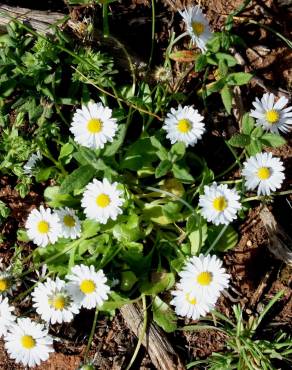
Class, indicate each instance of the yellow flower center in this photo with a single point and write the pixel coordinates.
(272, 116)
(198, 28)
(87, 286)
(205, 278)
(103, 200)
(3, 285)
(191, 300)
(58, 302)
(69, 221)
(184, 126)
(27, 342)
(94, 125)
(220, 203)
(43, 227)
(264, 173)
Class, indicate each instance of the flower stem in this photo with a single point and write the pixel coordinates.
(91, 334)
(141, 336)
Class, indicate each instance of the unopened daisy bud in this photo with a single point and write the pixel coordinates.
(189, 304)
(197, 26)
(102, 201)
(28, 342)
(43, 227)
(93, 125)
(184, 124)
(53, 302)
(88, 287)
(219, 204)
(70, 223)
(6, 316)
(205, 277)
(271, 115)
(263, 171)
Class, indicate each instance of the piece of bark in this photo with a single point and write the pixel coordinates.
(279, 242)
(39, 20)
(161, 352)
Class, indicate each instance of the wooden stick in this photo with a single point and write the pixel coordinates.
(39, 20)
(161, 352)
(280, 242)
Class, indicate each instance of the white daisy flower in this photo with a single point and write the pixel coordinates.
(70, 223)
(93, 125)
(205, 277)
(184, 124)
(28, 343)
(6, 317)
(272, 116)
(101, 201)
(88, 287)
(53, 302)
(197, 26)
(6, 283)
(43, 226)
(263, 171)
(30, 165)
(189, 304)
(219, 204)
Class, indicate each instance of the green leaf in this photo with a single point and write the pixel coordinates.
(66, 150)
(239, 78)
(274, 140)
(239, 140)
(254, 147)
(160, 281)
(227, 241)
(257, 132)
(227, 95)
(178, 150)
(90, 228)
(227, 58)
(112, 149)
(194, 238)
(43, 174)
(163, 168)
(116, 301)
(77, 179)
(248, 124)
(182, 173)
(214, 44)
(141, 153)
(171, 210)
(215, 86)
(163, 315)
(162, 153)
(55, 199)
(201, 63)
(223, 68)
(4, 210)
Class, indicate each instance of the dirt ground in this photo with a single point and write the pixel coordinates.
(256, 274)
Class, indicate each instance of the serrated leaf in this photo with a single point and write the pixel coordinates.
(77, 179)
(163, 315)
(227, 95)
(248, 124)
(163, 168)
(254, 147)
(274, 140)
(238, 78)
(239, 140)
(184, 56)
